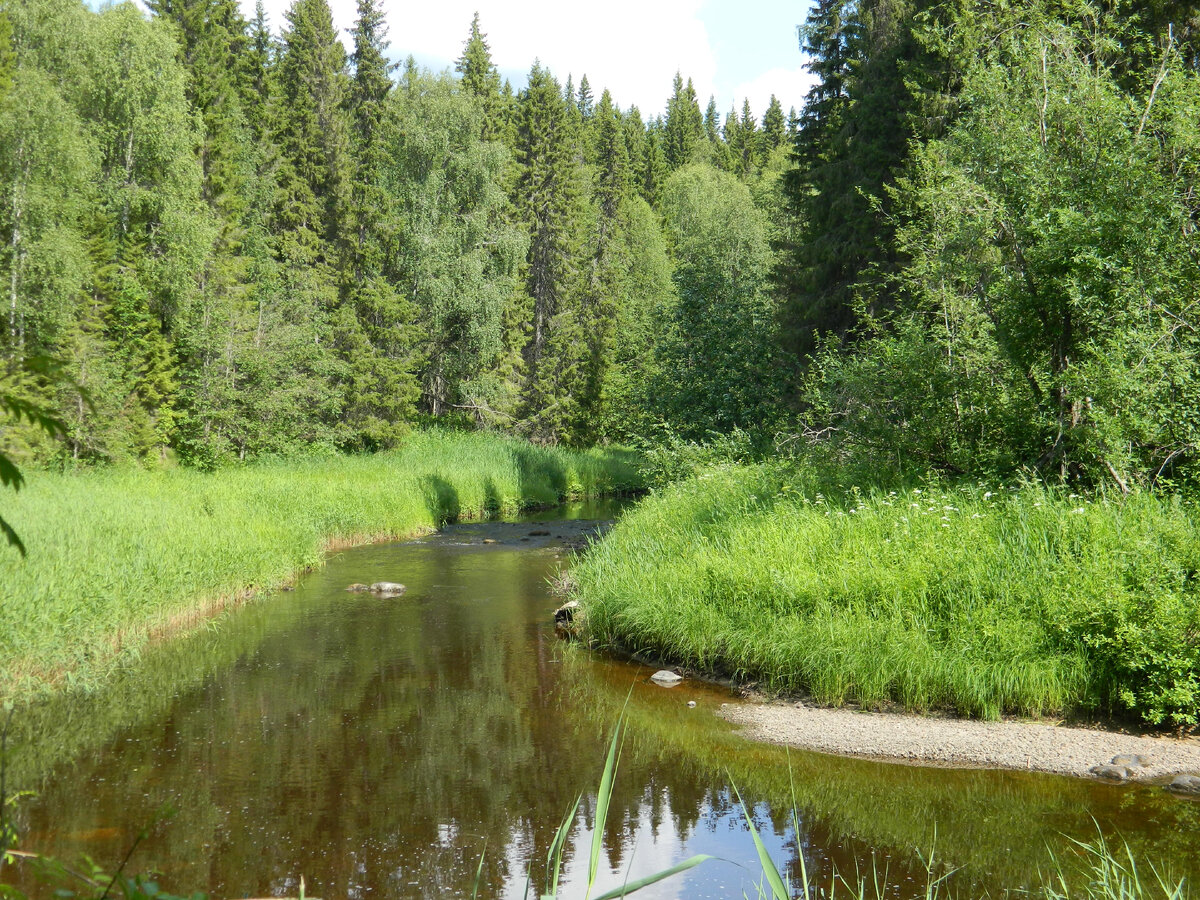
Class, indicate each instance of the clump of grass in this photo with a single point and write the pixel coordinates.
(118, 556)
(979, 599)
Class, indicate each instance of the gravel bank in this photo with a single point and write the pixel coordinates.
(962, 742)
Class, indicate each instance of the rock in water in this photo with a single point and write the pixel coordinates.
(666, 678)
(357, 588)
(1113, 773)
(1185, 784)
(565, 614)
(1135, 761)
(388, 588)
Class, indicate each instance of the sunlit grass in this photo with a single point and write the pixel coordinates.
(982, 599)
(118, 556)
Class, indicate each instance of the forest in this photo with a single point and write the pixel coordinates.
(969, 262)
(906, 380)
(973, 249)
(221, 242)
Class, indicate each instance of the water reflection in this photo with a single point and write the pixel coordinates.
(381, 747)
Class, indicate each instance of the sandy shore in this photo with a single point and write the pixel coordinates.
(962, 742)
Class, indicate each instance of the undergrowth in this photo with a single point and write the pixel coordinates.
(981, 599)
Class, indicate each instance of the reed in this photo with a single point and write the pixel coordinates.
(120, 557)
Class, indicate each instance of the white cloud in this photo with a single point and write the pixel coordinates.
(789, 85)
(633, 48)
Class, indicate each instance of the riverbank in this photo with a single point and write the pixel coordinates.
(978, 600)
(120, 558)
(970, 743)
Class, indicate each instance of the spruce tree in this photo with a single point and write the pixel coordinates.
(548, 194)
(481, 79)
(375, 332)
(654, 169)
(684, 127)
(585, 101)
(310, 224)
(745, 147)
(854, 137)
(310, 127)
(605, 274)
(773, 125)
(257, 62)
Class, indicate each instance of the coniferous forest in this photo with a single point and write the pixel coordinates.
(232, 242)
(973, 249)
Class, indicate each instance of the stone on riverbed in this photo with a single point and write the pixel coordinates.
(1185, 784)
(565, 614)
(388, 588)
(1132, 761)
(358, 588)
(1113, 773)
(666, 678)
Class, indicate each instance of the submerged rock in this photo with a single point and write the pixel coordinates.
(1113, 773)
(1133, 761)
(666, 678)
(358, 588)
(1185, 784)
(388, 588)
(565, 614)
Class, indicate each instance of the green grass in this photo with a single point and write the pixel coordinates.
(979, 599)
(118, 556)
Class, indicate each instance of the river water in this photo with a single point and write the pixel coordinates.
(382, 748)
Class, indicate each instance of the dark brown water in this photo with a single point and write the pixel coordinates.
(381, 748)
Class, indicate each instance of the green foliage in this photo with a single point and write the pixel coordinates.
(119, 556)
(982, 601)
(448, 238)
(1051, 273)
(718, 362)
(481, 79)
(683, 132)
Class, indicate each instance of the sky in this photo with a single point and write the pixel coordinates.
(729, 49)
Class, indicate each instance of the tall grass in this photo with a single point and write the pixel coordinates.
(118, 556)
(979, 599)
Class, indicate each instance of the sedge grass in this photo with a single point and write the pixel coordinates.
(119, 556)
(981, 600)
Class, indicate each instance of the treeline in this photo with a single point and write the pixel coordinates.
(994, 260)
(974, 250)
(220, 242)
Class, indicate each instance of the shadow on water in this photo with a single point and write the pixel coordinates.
(376, 746)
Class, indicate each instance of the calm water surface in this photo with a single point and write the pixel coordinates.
(380, 748)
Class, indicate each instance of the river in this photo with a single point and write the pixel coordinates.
(383, 747)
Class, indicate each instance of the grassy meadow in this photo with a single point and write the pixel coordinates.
(117, 557)
(983, 600)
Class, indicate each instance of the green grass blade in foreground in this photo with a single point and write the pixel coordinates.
(554, 854)
(657, 877)
(778, 889)
(479, 871)
(603, 797)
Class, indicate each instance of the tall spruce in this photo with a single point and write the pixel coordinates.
(548, 193)
(773, 124)
(683, 130)
(481, 79)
